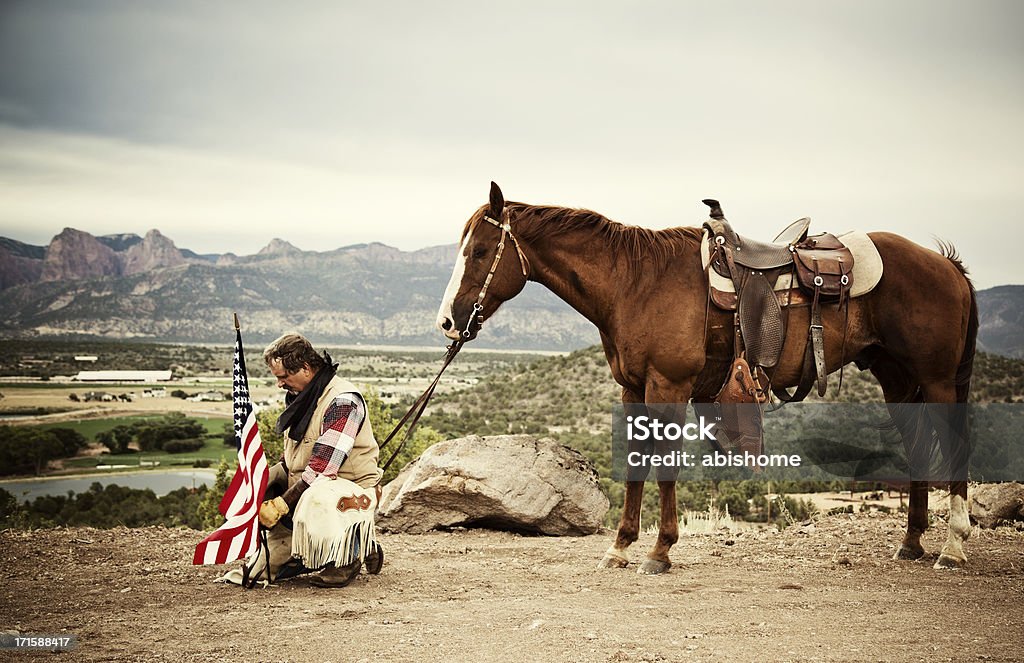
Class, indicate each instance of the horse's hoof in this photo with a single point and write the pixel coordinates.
(610, 561)
(949, 562)
(906, 553)
(653, 567)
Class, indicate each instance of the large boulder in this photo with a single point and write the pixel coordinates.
(995, 503)
(512, 482)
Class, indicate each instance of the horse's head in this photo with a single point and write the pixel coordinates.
(490, 268)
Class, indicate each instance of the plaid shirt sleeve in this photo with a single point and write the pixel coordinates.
(342, 421)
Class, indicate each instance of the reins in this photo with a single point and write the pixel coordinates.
(416, 411)
(248, 579)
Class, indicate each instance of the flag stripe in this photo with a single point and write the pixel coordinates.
(239, 491)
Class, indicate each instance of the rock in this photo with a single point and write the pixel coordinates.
(154, 252)
(994, 503)
(19, 262)
(74, 255)
(278, 246)
(513, 482)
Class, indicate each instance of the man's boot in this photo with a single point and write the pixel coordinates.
(336, 576)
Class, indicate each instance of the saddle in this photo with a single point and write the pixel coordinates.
(819, 269)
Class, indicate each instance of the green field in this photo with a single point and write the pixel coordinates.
(213, 450)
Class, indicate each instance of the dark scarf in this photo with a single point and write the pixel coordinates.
(300, 407)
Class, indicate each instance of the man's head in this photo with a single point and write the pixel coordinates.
(293, 361)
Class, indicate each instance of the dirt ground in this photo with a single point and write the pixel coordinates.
(825, 591)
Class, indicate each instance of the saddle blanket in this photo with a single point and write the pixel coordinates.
(867, 266)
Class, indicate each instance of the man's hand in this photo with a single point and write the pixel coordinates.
(271, 511)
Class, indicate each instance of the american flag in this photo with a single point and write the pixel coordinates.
(239, 536)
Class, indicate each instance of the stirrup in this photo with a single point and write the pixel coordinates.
(374, 559)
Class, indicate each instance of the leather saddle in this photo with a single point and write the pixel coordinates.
(821, 266)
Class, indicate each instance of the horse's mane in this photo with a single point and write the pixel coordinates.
(653, 250)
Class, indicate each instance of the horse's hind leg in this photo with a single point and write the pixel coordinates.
(951, 426)
(898, 387)
(917, 523)
(952, 555)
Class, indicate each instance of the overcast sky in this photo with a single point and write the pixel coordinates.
(327, 124)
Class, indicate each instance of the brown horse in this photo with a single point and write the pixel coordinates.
(647, 293)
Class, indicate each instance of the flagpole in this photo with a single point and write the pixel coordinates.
(237, 326)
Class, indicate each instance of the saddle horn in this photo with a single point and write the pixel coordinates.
(716, 208)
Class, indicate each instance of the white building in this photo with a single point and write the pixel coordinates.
(123, 376)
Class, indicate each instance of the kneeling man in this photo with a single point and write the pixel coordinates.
(320, 504)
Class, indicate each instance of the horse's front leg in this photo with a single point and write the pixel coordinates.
(668, 531)
(671, 409)
(617, 555)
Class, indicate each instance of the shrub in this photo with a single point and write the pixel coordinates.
(182, 446)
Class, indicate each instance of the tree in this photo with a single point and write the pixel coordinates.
(11, 513)
(155, 434)
(383, 423)
(208, 509)
(41, 447)
(273, 442)
(27, 449)
(116, 439)
(228, 434)
(70, 439)
(182, 446)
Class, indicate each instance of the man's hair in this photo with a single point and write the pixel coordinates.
(294, 352)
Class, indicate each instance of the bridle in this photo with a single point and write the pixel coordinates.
(506, 230)
(416, 411)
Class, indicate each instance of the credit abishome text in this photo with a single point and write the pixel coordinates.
(687, 459)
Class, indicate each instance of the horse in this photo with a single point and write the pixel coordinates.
(648, 294)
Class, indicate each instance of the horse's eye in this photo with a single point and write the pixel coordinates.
(479, 252)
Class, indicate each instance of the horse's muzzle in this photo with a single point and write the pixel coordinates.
(448, 328)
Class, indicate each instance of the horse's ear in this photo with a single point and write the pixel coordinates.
(497, 202)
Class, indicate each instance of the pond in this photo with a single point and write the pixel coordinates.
(160, 482)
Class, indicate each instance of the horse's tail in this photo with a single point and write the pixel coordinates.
(956, 451)
(965, 369)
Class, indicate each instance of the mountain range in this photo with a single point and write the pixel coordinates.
(130, 287)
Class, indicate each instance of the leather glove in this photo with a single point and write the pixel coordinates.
(271, 511)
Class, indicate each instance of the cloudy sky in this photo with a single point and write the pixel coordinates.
(327, 124)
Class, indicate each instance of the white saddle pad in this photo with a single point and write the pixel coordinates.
(867, 265)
